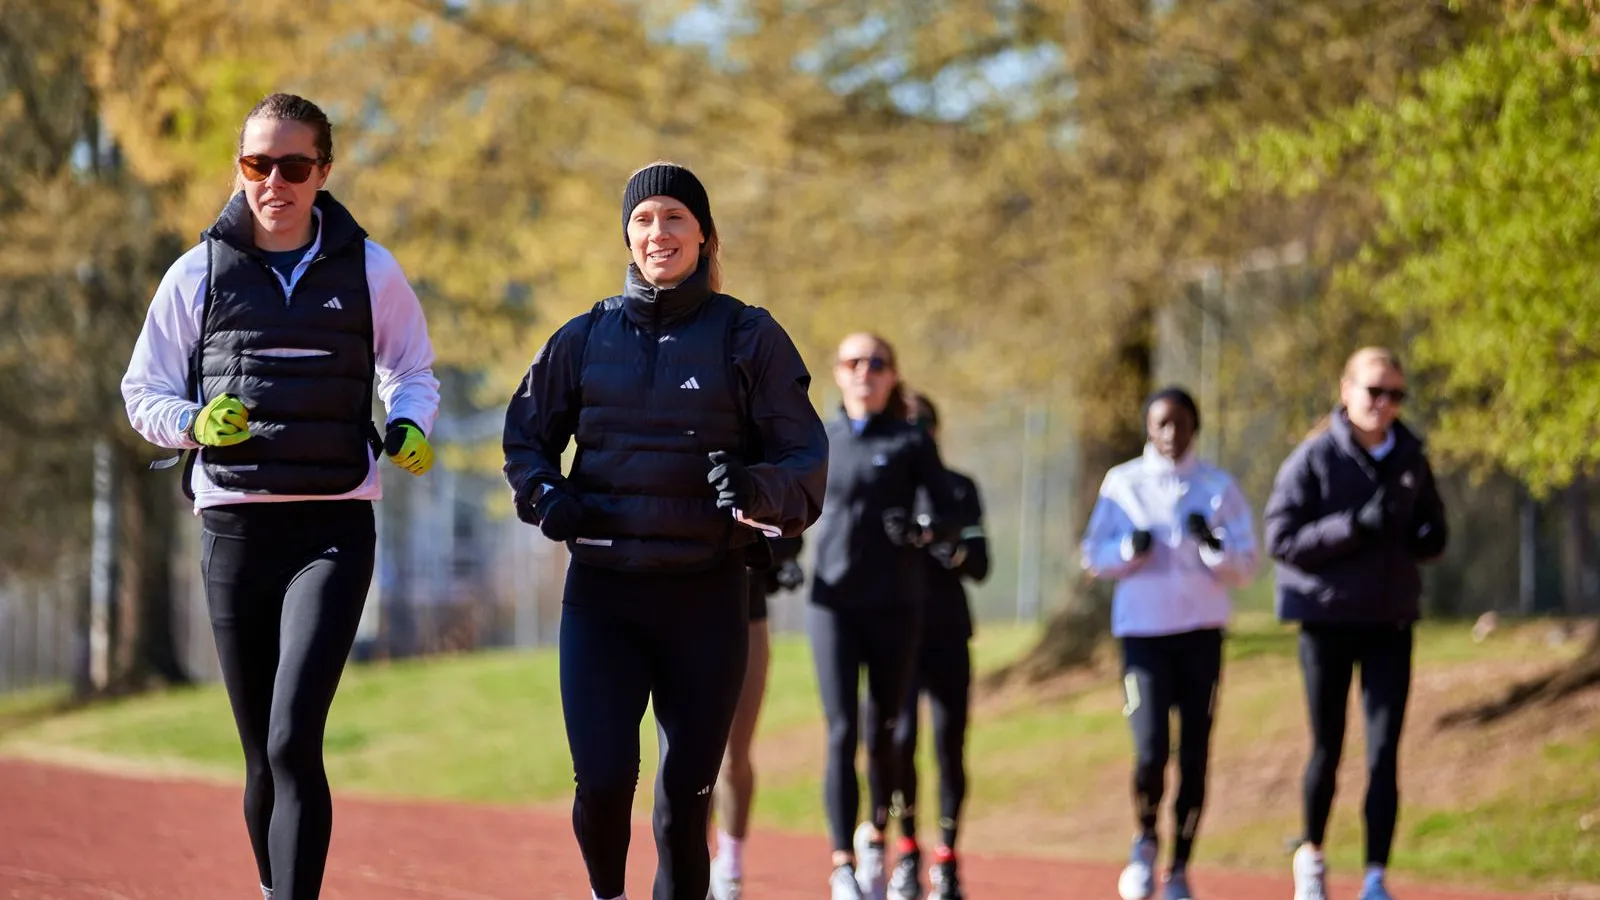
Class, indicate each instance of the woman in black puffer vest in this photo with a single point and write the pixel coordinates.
(695, 435)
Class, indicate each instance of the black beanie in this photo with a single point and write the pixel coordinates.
(666, 180)
(1177, 395)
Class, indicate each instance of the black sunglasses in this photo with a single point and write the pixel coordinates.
(874, 363)
(1395, 395)
(294, 169)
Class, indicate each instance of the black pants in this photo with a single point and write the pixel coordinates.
(944, 673)
(285, 583)
(679, 642)
(885, 642)
(1181, 671)
(1328, 657)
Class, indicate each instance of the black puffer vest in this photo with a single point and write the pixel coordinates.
(659, 394)
(302, 364)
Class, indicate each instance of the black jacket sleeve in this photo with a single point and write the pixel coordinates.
(792, 477)
(931, 477)
(786, 548)
(975, 565)
(543, 413)
(1430, 532)
(1296, 532)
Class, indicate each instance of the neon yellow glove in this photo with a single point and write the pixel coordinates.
(221, 423)
(408, 448)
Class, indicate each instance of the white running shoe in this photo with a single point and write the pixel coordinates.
(871, 866)
(723, 886)
(1310, 875)
(906, 882)
(946, 882)
(843, 884)
(1138, 880)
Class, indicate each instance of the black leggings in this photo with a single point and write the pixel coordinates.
(885, 641)
(1158, 674)
(678, 642)
(285, 583)
(1328, 657)
(944, 672)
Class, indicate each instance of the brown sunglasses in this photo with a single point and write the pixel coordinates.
(294, 169)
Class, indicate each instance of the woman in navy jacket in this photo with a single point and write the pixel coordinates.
(1353, 512)
(695, 434)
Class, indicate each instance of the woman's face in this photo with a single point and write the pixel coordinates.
(864, 374)
(1372, 395)
(665, 239)
(1171, 428)
(282, 207)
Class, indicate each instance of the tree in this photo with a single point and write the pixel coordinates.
(1485, 172)
(80, 255)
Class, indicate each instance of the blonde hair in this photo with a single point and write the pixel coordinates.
(897, 406)
(1388, 358)
(1384, 355)
(712, 250)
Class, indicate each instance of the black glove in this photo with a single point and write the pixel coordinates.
(789, 575)
(735, 487)
(1201, 531)
(950, 554)
(558, 514)
(896, 526)
(1141, 542)
(1370, 517)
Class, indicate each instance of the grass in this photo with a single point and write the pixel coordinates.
(1048, 769)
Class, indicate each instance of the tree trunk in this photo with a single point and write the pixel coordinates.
(1581, 674)
(1577, 576)
(147, 652)
(1109, 430)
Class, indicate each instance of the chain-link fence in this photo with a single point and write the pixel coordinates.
(456, 572)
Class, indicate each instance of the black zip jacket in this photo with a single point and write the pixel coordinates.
(857, 565)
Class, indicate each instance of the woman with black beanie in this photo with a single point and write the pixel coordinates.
(1353, 512)
(1174, 532)
(695, 437)
(866, 595)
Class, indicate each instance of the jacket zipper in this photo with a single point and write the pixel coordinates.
(654, 337)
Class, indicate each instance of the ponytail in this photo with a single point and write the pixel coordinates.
(896, 406)
(1321, 427)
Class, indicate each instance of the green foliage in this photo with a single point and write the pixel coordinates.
(1485, 176)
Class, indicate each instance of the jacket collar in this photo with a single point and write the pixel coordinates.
(1155, 462)
(1406, 442)
(875, 421)
(654, 308)
(335, 226)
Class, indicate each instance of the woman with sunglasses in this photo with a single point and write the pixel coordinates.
(1353, 512)
(865, 607)
(696, 436)
(1175, 533)
(258, 356)
(943, 672)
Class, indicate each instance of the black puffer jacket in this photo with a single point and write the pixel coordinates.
(858, 564)
(650, 383)
(1332, 570)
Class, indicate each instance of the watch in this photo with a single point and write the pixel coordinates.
(186, 421)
